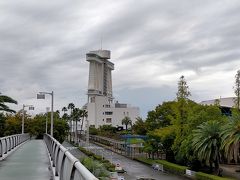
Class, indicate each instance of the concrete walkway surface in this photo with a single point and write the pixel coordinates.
(29, 162)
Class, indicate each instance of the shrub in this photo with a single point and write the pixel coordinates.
(146, 161)
(173, 168)
(95, 167)
(204, 176)
(109, 166)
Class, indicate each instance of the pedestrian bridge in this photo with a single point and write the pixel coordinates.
(25, 159)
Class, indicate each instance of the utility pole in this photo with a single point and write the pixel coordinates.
(41, 95)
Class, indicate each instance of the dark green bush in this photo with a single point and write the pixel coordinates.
(109, 166)
(146, 161)
(204, 176)
(171, 167)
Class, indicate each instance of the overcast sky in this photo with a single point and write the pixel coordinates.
(153, 42)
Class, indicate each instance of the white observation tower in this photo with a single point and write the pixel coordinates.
(100, 74)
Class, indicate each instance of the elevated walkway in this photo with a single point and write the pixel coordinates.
(29, 162)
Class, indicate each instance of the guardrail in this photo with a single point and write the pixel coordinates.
(65, 165)
(9, 143)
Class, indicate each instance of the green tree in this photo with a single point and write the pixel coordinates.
(181, 111)
(237, 89)
(126, 121)
(13, 124)
(183, 89)
(6, 99)
(161, 116)
(139, 127)
(64, 109)
(65, 115)
(207, 142)
(165, 137)
(36, 126)
(84, 115)
(231, 137)
(2, 124)
(76, 116)
(71, 106)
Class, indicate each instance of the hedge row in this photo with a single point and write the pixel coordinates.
(109, 166)
(204, 176)
(180, 170)
(167, 166)
(145, 161)
(171, 167)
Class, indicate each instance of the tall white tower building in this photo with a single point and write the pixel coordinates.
(101, 107)
(100, 74)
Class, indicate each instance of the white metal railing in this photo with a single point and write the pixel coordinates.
(9, 143)
(65, 165)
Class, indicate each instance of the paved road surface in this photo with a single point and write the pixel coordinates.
(134, 169)
(29, 162)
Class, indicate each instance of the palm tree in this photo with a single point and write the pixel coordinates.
(71, 106)
(231, 137)
(84, 115)
(65, 115)
(207, 142)
(6, 99)
(76, 115)
(126, 121)
(64, 109)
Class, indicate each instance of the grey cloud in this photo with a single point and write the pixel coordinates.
(43, 45)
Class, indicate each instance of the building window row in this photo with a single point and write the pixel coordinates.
(108, 113)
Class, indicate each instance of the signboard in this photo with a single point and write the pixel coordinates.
(190, 173)
(40, 96)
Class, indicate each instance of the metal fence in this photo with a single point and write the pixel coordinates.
(9, 143)
(65, 165)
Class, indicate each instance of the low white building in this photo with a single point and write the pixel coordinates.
(223, 102)
(101, 107)
(101, 112)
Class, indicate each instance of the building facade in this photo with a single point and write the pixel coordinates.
(225, 104)
(102, 108)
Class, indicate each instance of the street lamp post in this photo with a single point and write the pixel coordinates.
(41, 95)
(30, 108)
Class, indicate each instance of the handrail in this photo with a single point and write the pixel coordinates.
(9, 143)
(67, 167)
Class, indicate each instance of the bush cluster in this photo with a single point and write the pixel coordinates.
(107, 164)
(171, 167)
(204, 176)
(180, 170)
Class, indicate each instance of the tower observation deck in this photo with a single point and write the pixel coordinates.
(100, 74)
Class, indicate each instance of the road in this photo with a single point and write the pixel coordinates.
(134, 169)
